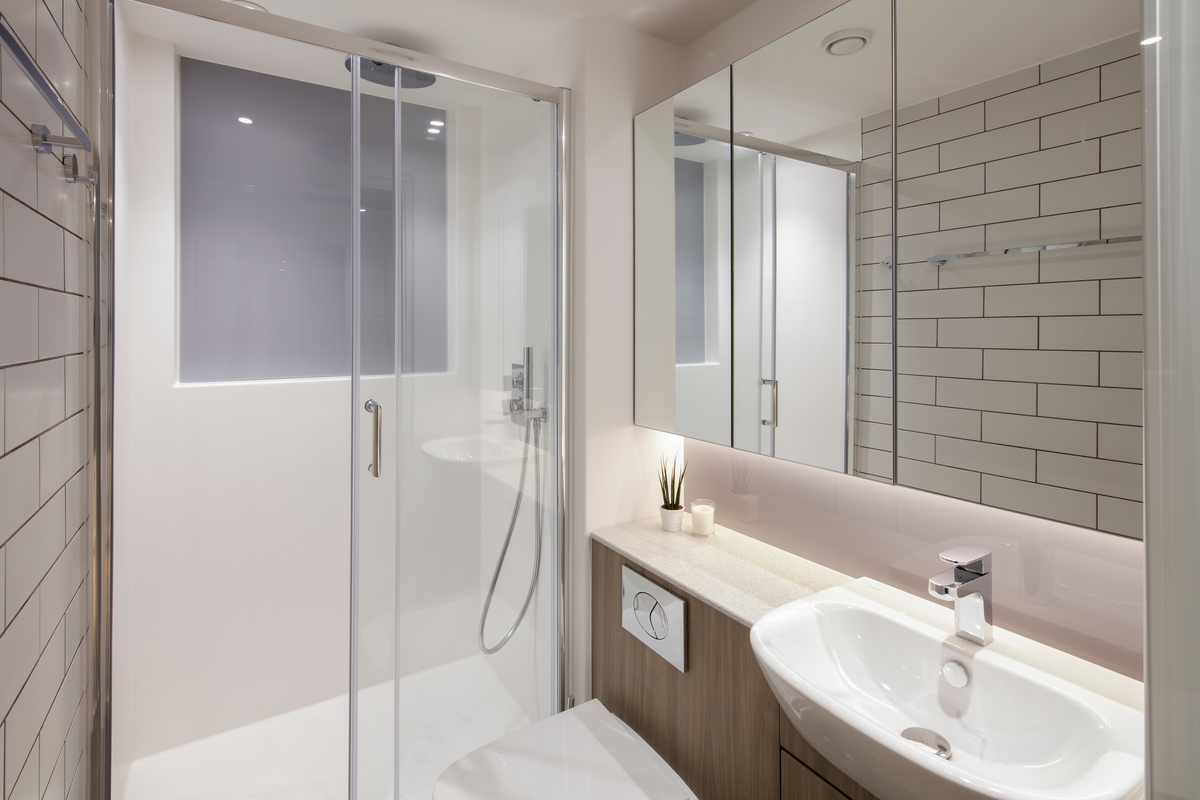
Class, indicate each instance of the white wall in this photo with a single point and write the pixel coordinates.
(231, 500)
(45, 414)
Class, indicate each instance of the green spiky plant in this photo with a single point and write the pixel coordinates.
(672, 486)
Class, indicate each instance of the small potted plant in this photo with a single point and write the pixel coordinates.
(671, 483)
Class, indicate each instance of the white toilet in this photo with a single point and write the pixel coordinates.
(582, 754)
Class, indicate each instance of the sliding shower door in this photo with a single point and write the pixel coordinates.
(455, 472)
(374, 481)
(336, 482)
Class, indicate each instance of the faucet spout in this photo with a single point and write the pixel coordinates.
(968, 584)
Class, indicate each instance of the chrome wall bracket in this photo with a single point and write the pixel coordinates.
(71, 166)
(45, 142)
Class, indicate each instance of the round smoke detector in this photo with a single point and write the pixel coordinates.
(847, 42)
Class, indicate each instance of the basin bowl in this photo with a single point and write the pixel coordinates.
(856, 666)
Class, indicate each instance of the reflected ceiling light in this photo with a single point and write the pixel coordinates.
(245, 120)
(434, 130)
(847, 42)
(1152, 40)
(249, 5)
(436, 122)
(745, 133)
(431, 138)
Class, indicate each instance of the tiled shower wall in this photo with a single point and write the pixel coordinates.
(45, 321)
(1019, 376)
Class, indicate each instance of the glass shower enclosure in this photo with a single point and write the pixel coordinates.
(337, 505)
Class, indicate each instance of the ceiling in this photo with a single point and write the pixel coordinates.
(502, 35)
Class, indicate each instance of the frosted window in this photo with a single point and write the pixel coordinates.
(265, 262)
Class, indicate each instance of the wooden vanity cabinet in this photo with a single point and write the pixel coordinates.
(717, 725)
(808, 775)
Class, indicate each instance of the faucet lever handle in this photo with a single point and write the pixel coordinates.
(970, 557)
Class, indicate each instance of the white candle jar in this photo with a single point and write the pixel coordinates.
(703, 517)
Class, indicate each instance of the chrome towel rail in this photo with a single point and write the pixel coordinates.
(42, 140)
(938, 261)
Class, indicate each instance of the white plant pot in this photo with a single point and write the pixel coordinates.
(672, 520)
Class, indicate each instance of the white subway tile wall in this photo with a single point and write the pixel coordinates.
(1019, 376)
(45, 405)
(873, 367)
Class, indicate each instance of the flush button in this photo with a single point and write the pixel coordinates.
(655, 616)
(650, 615)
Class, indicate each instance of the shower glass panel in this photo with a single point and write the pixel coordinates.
(359, 526)
(474, 437)
(373, 639)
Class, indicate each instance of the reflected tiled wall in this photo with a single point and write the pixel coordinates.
(44, 404)
(1020, 376)
(873, 373)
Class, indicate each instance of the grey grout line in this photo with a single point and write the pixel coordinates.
(43, 505)
(1018, 122)
(77, 294)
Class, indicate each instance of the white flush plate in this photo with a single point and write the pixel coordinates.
(655, 616)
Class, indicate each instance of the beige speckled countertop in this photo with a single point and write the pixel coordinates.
(740, 576)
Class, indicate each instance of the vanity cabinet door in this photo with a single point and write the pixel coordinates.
(798, 782)
(794, 746)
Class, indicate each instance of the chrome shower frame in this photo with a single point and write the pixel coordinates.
(562, 695)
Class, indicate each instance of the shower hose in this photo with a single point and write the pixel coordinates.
(536, 425)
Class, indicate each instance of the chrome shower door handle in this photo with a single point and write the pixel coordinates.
(377, 410)
(774, 420)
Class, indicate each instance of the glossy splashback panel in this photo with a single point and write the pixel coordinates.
(1059, 584)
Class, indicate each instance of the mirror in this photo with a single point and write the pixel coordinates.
(682, 306)
(810, 169)
(1019, 369)
(1012, 314)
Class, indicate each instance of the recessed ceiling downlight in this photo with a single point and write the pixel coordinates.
(245, 120)
(847, 42)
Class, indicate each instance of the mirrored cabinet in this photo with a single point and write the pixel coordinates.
(948, 297)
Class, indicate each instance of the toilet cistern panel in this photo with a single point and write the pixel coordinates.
(655, 616)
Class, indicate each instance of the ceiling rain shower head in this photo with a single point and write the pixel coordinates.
(687, 139)
(385, 74)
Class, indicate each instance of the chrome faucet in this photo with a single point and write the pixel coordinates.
(969, 585)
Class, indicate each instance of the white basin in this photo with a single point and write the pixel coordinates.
(469, 450)
(856, 665)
